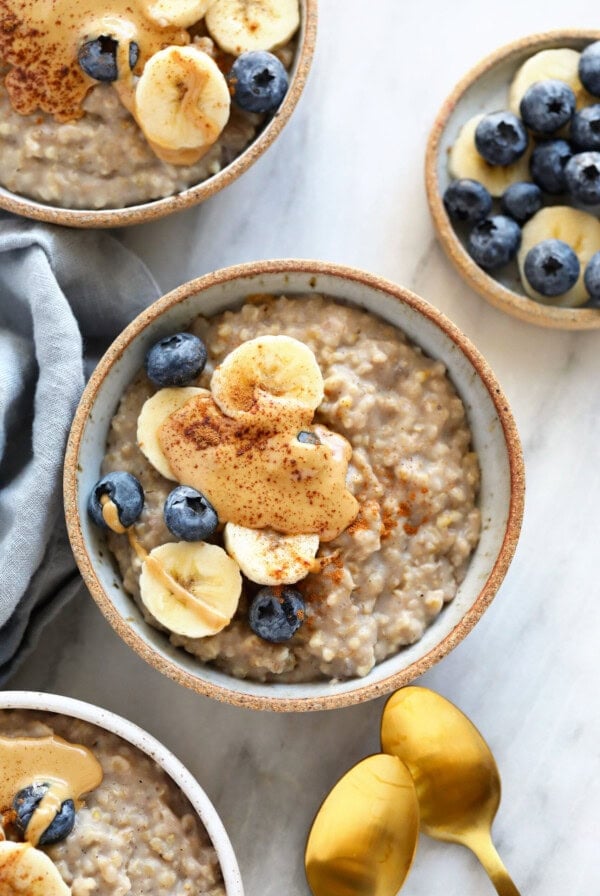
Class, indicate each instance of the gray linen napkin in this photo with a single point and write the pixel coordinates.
(64, 295)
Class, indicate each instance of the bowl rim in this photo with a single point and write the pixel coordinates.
(158, 208)
(361, 692)
(500, 296)
(155, 750)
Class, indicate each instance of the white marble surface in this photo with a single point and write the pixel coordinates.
(344, 183)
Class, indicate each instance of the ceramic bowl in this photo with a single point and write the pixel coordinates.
(494, 434)
(485, 89)
(159, 208)
(139, 738)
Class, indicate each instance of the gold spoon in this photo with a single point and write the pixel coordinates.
(456, 778)
(364, 836)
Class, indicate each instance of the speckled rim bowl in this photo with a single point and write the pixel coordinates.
(139, 738)
(158, 208)
(495, 438)
(484, 89)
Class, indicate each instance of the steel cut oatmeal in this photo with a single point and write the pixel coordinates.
(387, 415)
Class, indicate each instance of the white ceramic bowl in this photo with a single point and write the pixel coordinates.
(485, 89)
(193, 195)
(207, 813)
(494, 435)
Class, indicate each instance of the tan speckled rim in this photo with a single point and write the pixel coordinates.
(150, 746)
(159, 208)
(361, 691)
(505, 299)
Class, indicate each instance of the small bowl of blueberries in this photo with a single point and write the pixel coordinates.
(513, 178)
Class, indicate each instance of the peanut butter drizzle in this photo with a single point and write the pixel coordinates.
(205, 611)
(256, 473)
(40, 39)
(70, 770)
(110, 515)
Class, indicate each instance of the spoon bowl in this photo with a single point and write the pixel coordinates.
(456, 778)
(364, 837)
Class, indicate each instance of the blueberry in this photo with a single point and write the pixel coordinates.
(276, 614)
(494, 241)
(98, 58)
(501, 138)
(125, 491)
(583, 177)
(467, 200)
(585, 128)
(189, 515)
(551, 267)
(589, 68)
(26, 802)
(521, 201)
(134, 54)
(176, 360)
(547, 106)
(308, 438)
(548, 163)
(591, 277)
(258, 81)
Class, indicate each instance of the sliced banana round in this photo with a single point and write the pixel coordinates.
(191, 589)
(561, 222)
(29, 871)
(241, 25)
(180, 13)
(268, 557)
(465, 161)
(182, 103)
(153, 414)
(561, 65)
(269, 375)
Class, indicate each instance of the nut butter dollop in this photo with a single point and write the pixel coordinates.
(70, 770)
(40, 40)
(255, 471)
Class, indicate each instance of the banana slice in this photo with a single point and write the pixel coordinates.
(28, 871)
(465, 161)
(270, 558)
(191, 589)
(241, 25)
(579, 229)
(153, 414)
(560, 64)
(182, 104)
(271, 375)
(181, 13)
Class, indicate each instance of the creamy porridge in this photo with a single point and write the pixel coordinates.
(135, 832)
(167, 117)
(412, 476)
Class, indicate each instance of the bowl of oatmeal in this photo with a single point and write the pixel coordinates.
(344, 472)
(92, 803)
(122, 112)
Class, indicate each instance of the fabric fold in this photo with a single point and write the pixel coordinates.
(64, 296)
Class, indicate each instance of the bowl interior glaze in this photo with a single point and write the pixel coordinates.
(494, 435)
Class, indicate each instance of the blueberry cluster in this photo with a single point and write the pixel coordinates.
(565, 163)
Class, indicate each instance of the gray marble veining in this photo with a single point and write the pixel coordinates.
(344, 183)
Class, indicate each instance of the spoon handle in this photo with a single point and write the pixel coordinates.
(485, 851)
